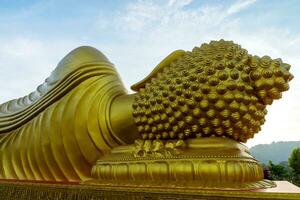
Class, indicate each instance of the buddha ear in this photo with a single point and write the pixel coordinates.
(159, 68)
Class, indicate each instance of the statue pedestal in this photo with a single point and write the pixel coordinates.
(211, 163)
(31, 190)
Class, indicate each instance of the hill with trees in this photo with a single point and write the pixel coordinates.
(276, 152)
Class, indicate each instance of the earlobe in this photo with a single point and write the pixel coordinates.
(170, 58)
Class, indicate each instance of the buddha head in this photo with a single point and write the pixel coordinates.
(217, 89)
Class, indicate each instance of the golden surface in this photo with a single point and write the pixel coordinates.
(218, 89)
(208, 163)
(61, 134)
(182, 127)
(20, 191)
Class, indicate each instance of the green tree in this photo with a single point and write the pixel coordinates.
(294, 161)
(277, 171)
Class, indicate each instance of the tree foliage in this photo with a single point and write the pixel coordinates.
(294, 161)
(277, 171)
(289, 171)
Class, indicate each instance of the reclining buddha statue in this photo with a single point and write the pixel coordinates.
(184, 126)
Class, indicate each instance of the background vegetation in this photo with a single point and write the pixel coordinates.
(281, 161)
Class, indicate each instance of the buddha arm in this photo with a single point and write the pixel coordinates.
(122, 120)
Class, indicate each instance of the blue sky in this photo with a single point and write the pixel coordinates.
(136, 35)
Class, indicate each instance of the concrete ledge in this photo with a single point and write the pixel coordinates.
(30, 190)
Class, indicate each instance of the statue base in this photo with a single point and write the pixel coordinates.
(207, 163)
(32, 190)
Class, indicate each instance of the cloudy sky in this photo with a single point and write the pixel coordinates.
(136, 35)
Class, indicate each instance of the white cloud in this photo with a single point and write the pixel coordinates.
(239, 5)
(25, 63)
(179, 3)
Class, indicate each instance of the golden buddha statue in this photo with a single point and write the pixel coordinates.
(183, 128)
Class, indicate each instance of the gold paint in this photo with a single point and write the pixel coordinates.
(27, 190)
(225, 83)
(72, 122)
(204, 163)
(183, 127)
